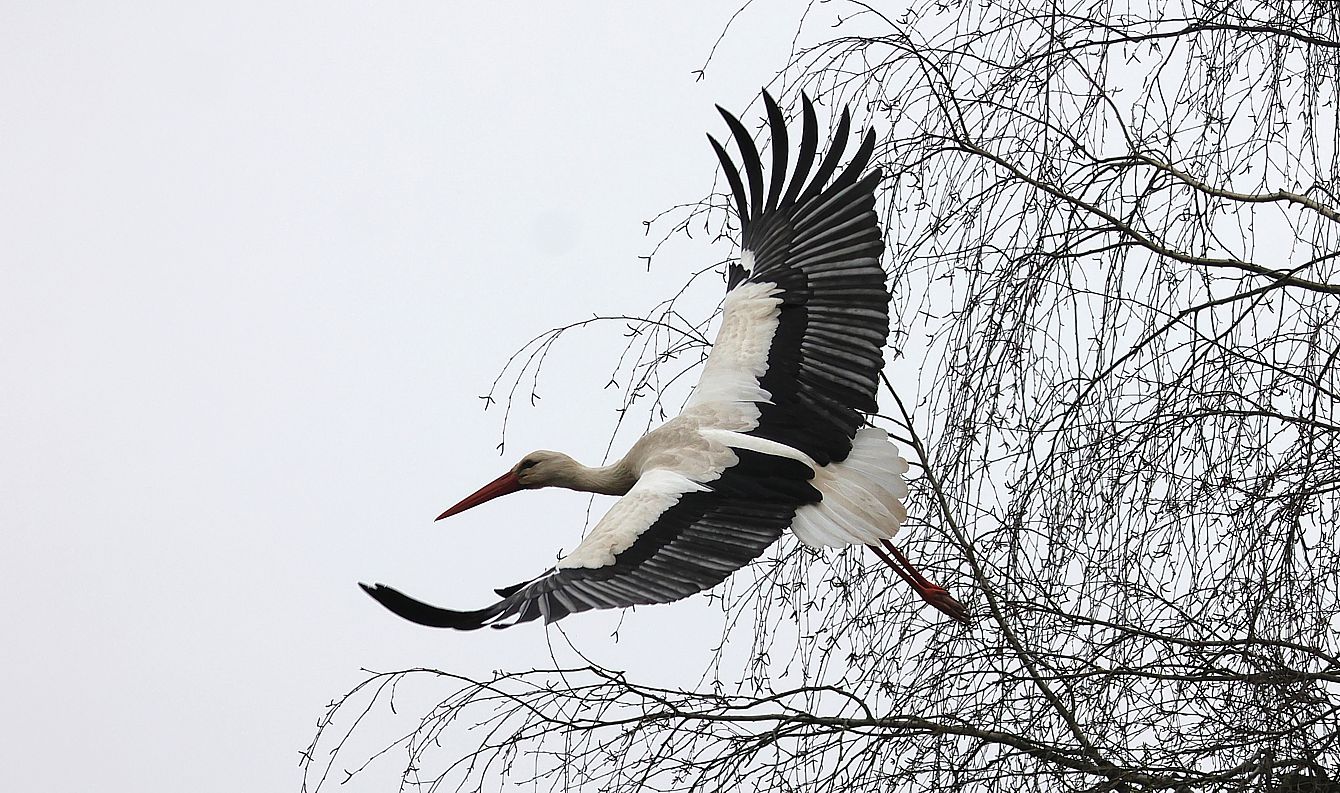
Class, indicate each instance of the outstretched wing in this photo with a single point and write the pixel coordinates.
(668, 538)
(807, 313)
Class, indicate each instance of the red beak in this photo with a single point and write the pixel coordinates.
(507, 483)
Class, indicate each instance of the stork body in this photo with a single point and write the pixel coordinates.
(773, 436)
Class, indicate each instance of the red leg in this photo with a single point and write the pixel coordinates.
(911, 581)
(932, 593)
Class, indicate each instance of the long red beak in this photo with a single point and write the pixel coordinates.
(507, 483)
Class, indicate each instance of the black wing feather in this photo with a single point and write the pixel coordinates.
(830, 160)
(809, 145)
(777, 124)
(753, 167)
(732, 178)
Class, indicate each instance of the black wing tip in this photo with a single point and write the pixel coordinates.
(421, 613)
(732, 178)
(731, 121)
(781, 146)
(801, 187)
(753, 166)
(375, 591)
(754, 202)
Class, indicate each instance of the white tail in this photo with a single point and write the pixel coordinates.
(863, 496)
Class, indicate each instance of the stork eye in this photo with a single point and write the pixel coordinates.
(527, 464)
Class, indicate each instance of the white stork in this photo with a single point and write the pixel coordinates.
(774, 433)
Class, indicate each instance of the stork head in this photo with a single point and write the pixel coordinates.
(537, 469)
(544, 469)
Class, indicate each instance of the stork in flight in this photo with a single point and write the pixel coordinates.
(774, 434)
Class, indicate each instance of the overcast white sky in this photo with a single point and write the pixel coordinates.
(259, 261)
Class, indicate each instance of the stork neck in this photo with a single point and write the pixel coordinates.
(610, 480)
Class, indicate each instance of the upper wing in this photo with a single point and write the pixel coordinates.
(807, 315)
(666, 539)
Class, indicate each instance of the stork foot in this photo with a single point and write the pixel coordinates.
(930, 592)
(940, 598)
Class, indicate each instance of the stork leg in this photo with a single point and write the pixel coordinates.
(930, 592)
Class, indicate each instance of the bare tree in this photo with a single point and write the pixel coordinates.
(1112, 247)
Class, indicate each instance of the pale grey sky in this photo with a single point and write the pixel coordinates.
(259, 261)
